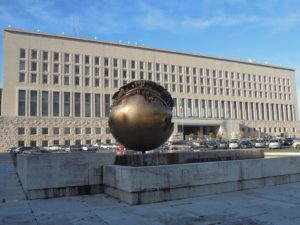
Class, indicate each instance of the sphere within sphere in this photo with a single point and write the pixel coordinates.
(141, 114)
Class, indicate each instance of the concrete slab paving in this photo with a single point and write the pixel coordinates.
(270, 205)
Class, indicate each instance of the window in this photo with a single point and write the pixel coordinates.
(97, 83)
(132, 74)
(55, 103)
(67, 130)
(66, 80)
(45, 97)
(106, 72)
(97, 105)
(116, 83)
(87, 59)
(21, 143)
(55, 130)
(115, 73)
(124, 64)
(77, 70)
(33, 66)
(67, 142)
(87, 105)
(22, 65)
(97, 71)
(106, 105)
(88, 130)
(55, 79)
(45, 55)
(77, 142)
(77, 81)
(141, 65)
(45, 78)
(98, 130)
(77, 59)
(45, 67)
(77, 104)
(97, 61)
(77, 130)
(21, 77)
(55, 56)
(21, 131)
(33, 130)
(66, 57)
(106, 61)
(22, 101)
(87, 81)
(115, 62)
(22, 53)
(55, 68)
(66, 104)
(33, 103)
(45, 130)
(33, 143)
(66, 69)
(107, 130)
(106, 83)
(86, 70)
(149, 66)
(44, 143)
(33, 54)
(132, 64)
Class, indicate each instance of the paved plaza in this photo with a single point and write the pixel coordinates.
(271, 205)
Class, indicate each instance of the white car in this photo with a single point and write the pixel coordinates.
(89, 148)
(260, 144)
(275, 144)
(234, 144)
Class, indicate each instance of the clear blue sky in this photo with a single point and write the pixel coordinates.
(264, 31)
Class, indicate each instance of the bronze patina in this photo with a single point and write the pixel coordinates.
(141, 114)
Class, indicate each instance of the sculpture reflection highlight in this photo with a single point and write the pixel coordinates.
(141, 115)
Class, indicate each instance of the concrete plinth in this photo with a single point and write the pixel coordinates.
(62, 174)
(187, 157)
(139, 185)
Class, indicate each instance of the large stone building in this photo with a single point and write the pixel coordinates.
(57, 90)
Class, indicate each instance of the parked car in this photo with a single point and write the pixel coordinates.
(212, 145)
(234, 144)
(246, 144)
(260, 144)
(89, 147)
(288, 141)
(12, 149)
(296, 144)
(181, 146)
(30, 150)
(74, 148)
(223, 145)
(275, 143)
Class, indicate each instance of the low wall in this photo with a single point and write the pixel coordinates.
(62, 174)
(188, 157)
(139, 185)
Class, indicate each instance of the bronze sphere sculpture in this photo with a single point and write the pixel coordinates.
(141, 114)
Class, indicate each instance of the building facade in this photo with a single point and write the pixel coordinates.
(58, 90)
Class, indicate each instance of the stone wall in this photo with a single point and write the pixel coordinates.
(9, 130)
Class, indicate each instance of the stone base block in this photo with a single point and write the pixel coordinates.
(140, 185)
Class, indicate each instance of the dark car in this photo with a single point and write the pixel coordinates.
(212, 145)
(223, 145)
(288, 141)
(246, 144)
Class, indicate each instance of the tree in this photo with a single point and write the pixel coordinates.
(242, 134)
(211, 135)
(200, 135)
(253, 135)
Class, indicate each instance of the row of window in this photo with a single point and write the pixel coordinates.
(58, 131)
(233, 110)
(132, 64)
(66, 104)
(67, 142)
